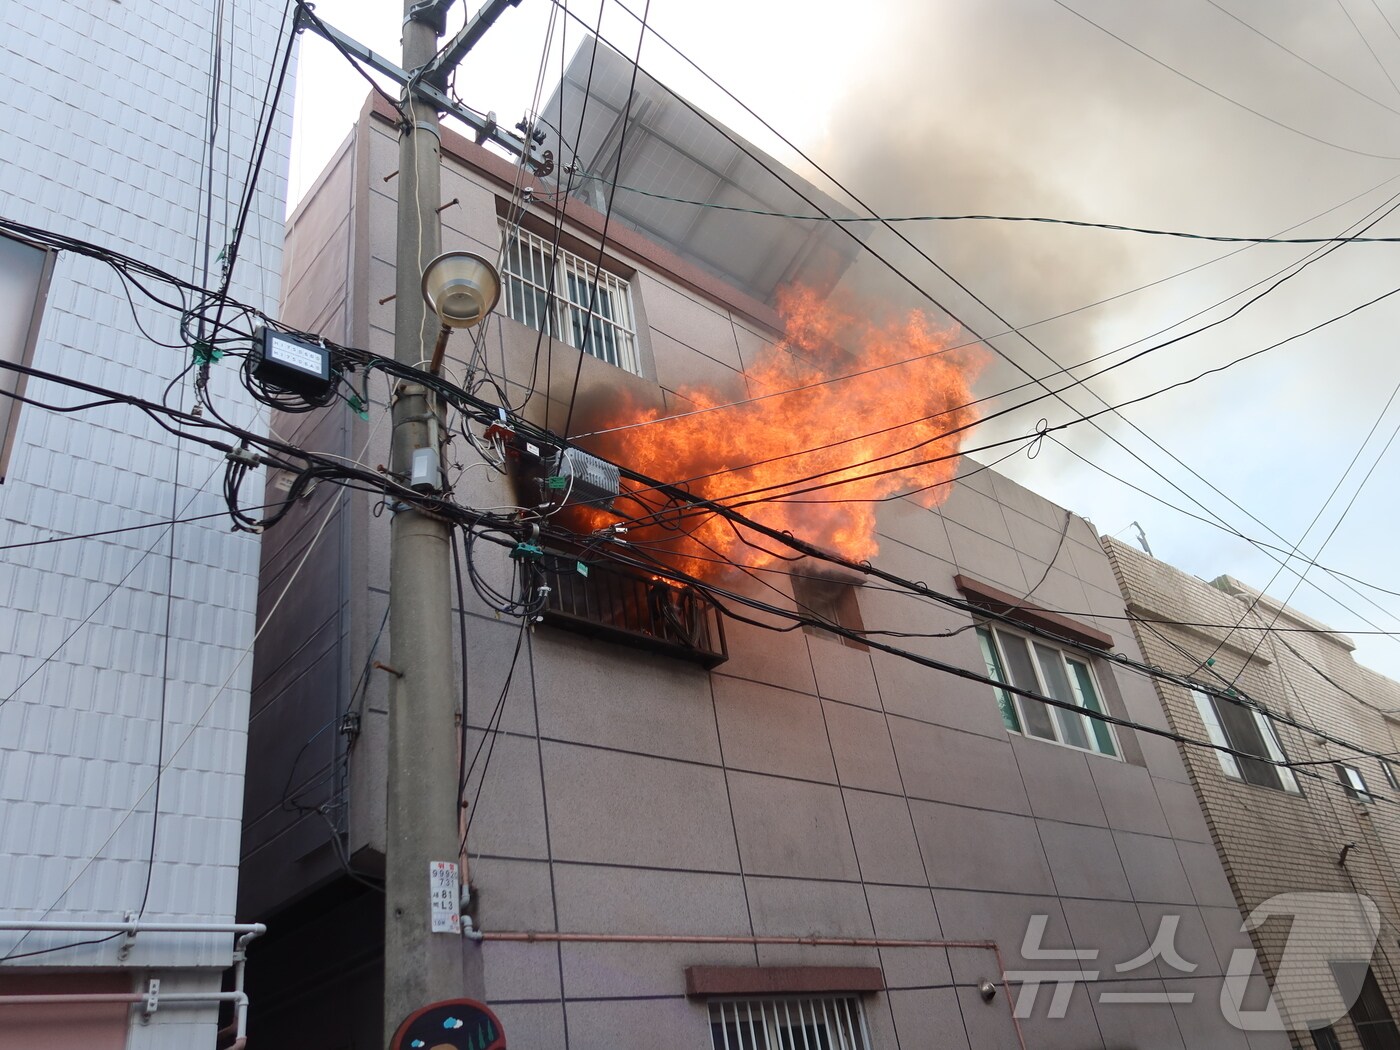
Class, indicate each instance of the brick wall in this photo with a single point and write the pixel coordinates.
(1271, 841)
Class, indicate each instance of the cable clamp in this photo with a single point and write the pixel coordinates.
(432, 13)
(245, 456)
(128, 936)
(431, 129)
(526, 552)
(350, 724)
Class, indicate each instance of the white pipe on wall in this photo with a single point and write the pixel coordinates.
(246, 931)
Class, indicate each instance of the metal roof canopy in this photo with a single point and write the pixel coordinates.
(671, 149)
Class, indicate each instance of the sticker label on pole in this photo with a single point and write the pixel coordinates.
(443, 891)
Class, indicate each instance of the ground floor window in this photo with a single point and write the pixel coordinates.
(788, 1023)
(1368, 1010)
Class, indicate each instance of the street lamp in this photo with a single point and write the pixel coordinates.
(461, 288)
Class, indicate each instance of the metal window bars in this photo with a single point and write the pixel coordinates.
(788, 1023)
(608, 332)
(624, 605)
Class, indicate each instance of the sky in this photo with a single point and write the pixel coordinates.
(1218, 117)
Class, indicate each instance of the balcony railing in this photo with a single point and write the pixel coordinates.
(630, 607)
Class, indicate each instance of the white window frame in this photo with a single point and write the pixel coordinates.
(1388, 768)
(1062, 721)
(782, 1022)
(1205, 706)
(1353, 783)
(529, 272)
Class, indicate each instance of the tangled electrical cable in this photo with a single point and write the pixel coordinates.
(519, 528)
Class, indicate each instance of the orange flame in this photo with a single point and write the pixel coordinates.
(824, 436)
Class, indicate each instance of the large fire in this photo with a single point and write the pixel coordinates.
(842, 414)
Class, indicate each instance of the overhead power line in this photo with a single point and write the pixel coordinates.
(802, 547)
(1283, 47)
(465, 514)
(183, 424)
(959, 284)
(1286, 552)
(1082, 223)
(1220, 94)
(799, 618)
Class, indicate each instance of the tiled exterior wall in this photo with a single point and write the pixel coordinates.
(1271, 841)
(103, 139)
(803, 787)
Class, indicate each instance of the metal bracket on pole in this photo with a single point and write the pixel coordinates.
(152, 1003)
(432, 13)
(485, 129)
(129, 937)
(436, 71)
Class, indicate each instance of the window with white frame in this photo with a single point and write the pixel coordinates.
(556, 294)
(788, 1022)
(1038, 667)
(1353, 783)
(1391, 777)
(1248, 730)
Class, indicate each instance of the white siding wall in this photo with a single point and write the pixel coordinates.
(102, 138)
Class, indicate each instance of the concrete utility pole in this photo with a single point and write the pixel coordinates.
(425, 958)
(420, 966)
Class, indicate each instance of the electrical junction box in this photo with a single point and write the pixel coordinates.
(296, 365)
(425, 474)
(587, 479)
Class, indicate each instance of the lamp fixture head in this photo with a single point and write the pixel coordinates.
(461, 288)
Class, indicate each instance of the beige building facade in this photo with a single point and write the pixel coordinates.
(1322, 829)
(710, 828)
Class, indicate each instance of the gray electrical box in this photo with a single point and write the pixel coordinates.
(588, 478)
(425, 474)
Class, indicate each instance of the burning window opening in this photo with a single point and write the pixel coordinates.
(831, 600)
(872, 408)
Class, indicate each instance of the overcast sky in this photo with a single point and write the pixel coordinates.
(1022, 107)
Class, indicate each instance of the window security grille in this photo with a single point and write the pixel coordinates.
(788, 1023)
(528, 276)
(633, 608)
